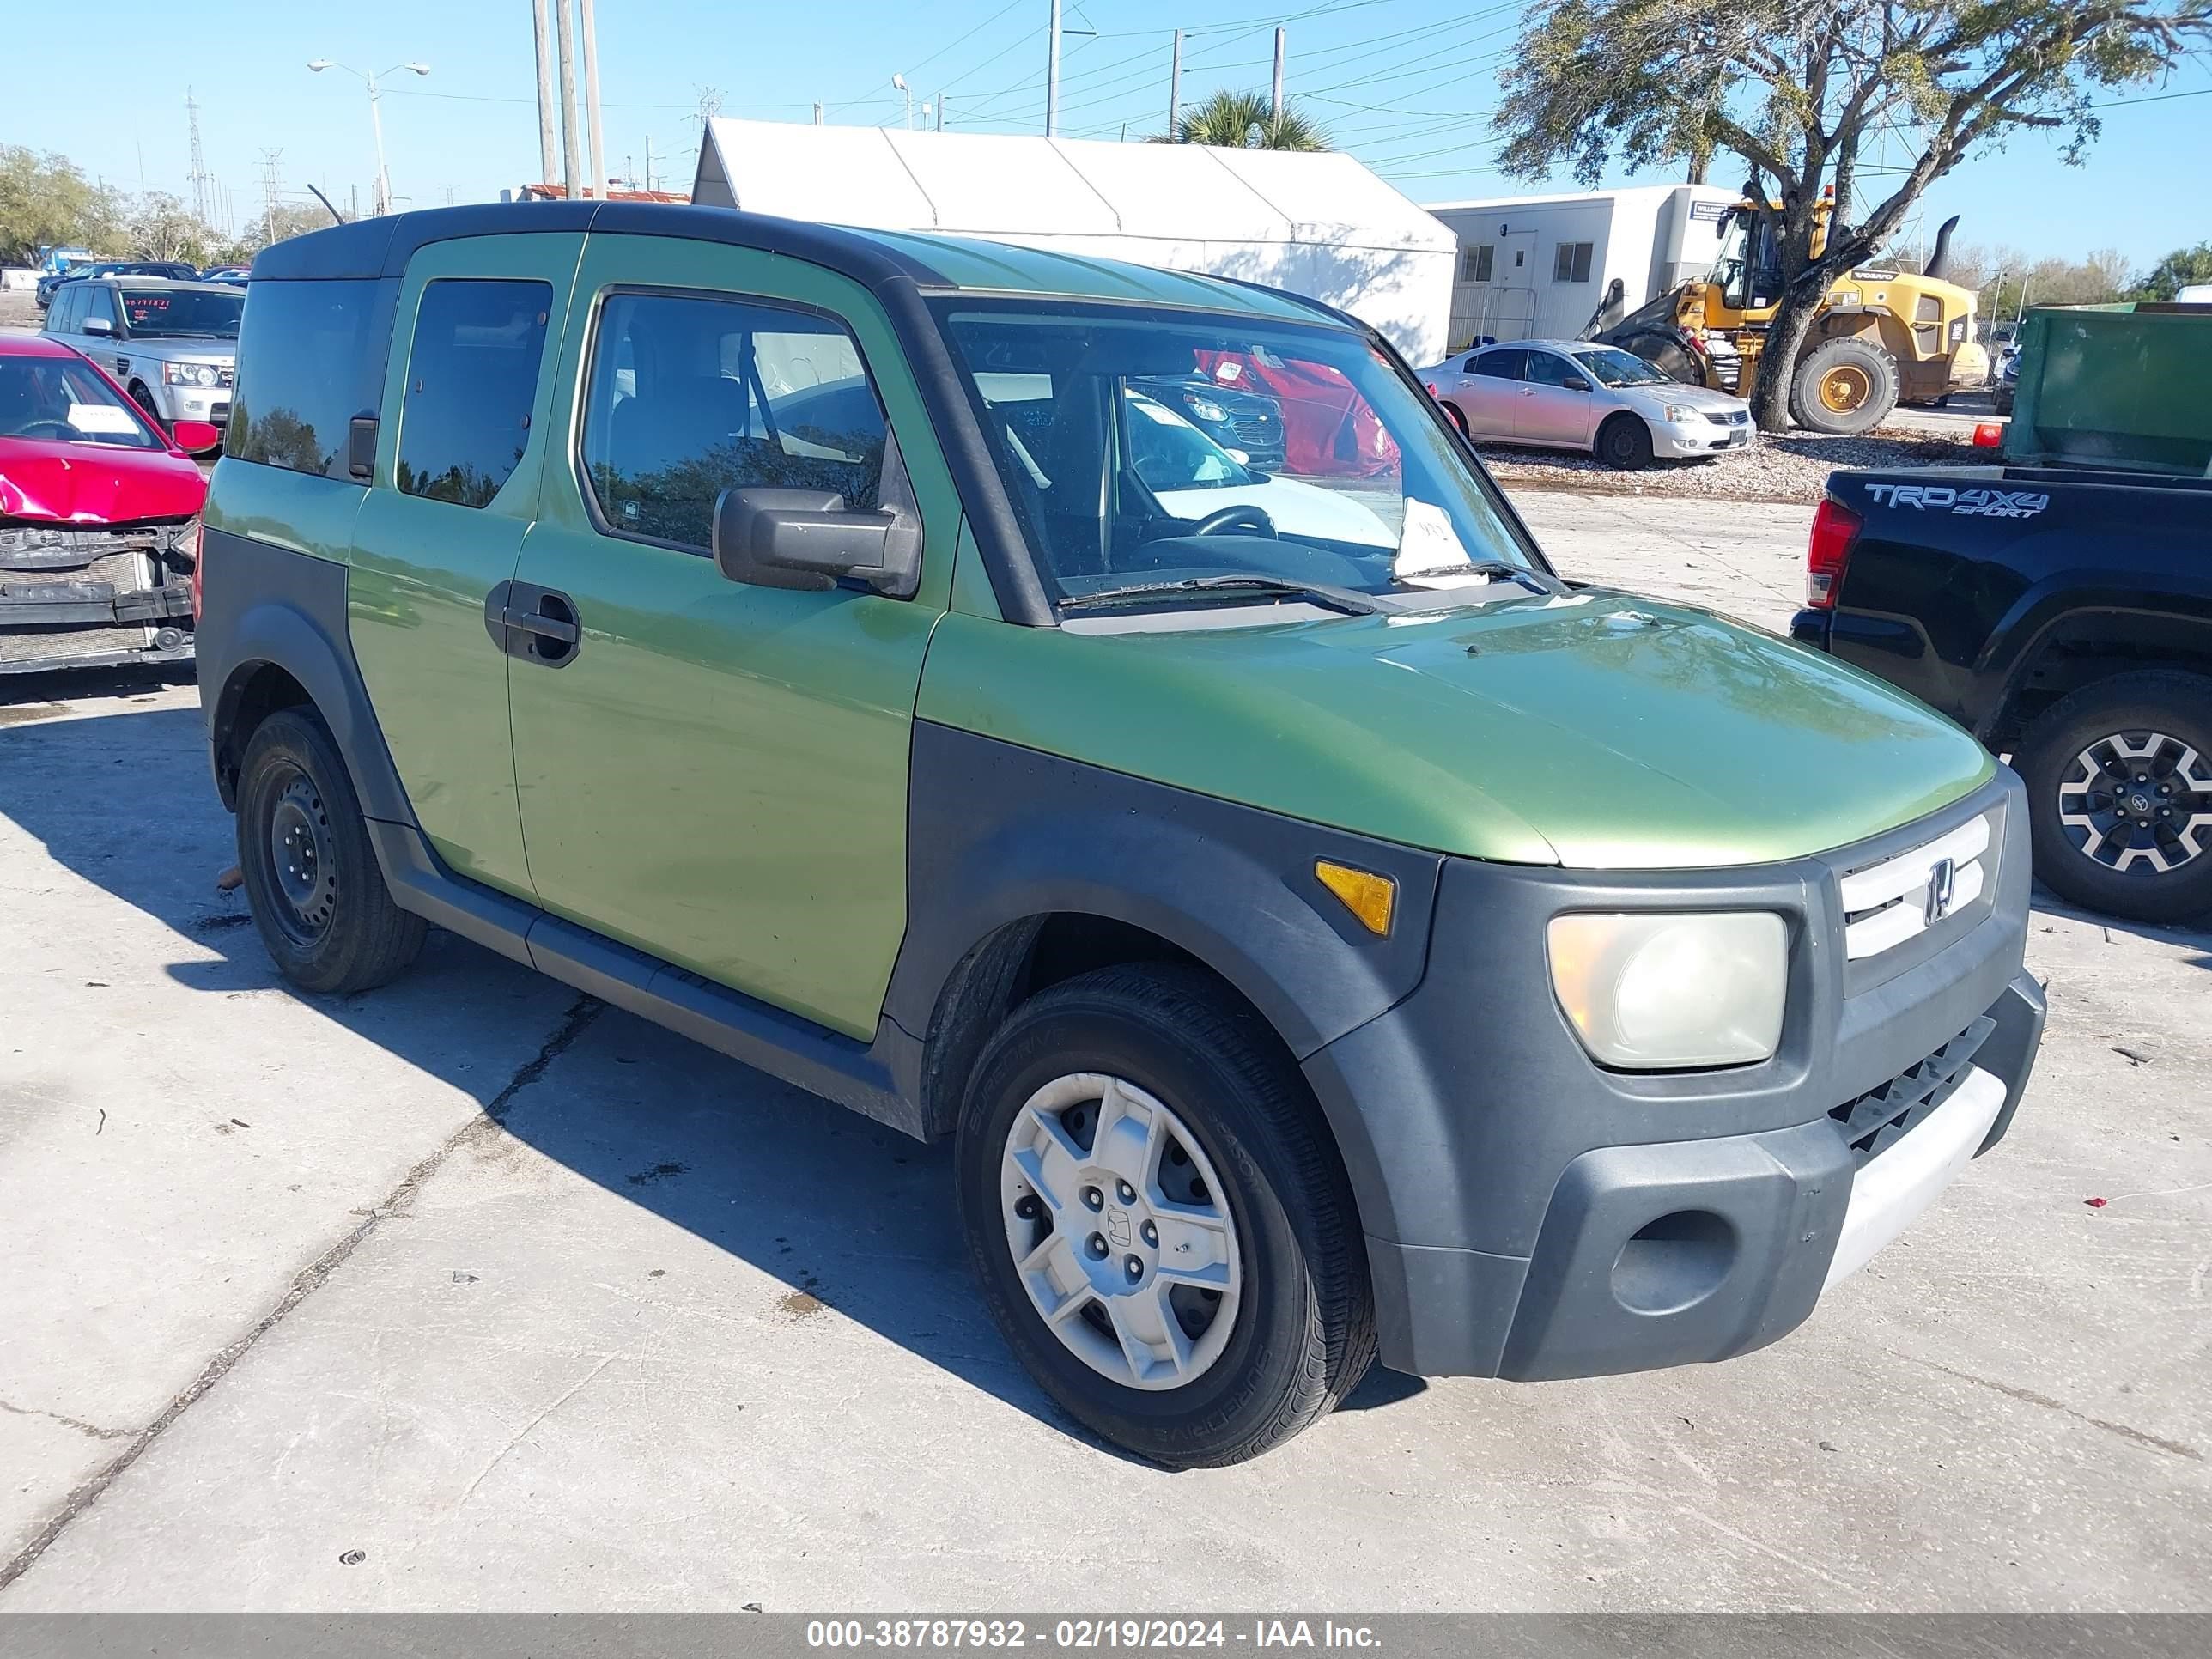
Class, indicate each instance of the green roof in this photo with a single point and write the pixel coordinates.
(1003, 268)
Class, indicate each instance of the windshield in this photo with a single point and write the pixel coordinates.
(169, 313)
(1118, 489)
(63, 400)
(1615, 366)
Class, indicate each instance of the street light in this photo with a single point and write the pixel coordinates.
(383, 202)
(898, 82)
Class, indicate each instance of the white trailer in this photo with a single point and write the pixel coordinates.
(1321, 224)
(1540, 267)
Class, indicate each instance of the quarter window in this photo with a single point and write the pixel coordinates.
(1571, 264)
(471, 381)
(691, 396)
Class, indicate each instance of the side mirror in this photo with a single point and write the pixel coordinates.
(97, 325)
(196, 437)
(805, 539)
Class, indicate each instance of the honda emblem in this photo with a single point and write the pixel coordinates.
(1940, 880)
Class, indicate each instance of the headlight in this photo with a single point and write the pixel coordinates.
(1681, 413)
(191, 374)
(1654, 991)
(1206, 409)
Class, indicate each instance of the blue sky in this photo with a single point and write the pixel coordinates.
(1401, 84)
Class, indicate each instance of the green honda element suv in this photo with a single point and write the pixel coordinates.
(1322, 930)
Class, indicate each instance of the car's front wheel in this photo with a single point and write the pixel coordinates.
(1161, 1224)
(2119, 788)
(311, 877)
(1624, 441)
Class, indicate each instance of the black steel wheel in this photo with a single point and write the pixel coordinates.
(311, 877)
(1624, 441)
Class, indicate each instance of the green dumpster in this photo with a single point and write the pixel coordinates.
(2124, 385)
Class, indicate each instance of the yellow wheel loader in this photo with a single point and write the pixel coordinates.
(1882, 336)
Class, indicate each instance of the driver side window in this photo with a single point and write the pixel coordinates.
(1549, 369)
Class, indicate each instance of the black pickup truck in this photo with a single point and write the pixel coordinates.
(2064, 617)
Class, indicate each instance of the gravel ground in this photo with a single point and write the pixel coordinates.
(1794, 467)
(19, 309)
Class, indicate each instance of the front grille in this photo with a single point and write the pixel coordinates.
(1879, 1118)
(1887, 903)
(1732, 417)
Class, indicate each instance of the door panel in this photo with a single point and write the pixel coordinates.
(1555, 404)
(717, 775)
(423, 561)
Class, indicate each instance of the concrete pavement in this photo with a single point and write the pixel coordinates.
(528, 1305)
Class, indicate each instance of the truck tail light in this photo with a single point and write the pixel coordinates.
(1989, 434)
(197, 538)
(1834, 529)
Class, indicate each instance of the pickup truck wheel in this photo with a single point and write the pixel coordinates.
(1161, 1227)
(1625, 442)
(311, 878)
(1844, 387)
(2119, 784)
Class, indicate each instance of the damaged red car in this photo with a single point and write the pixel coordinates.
(99, 517)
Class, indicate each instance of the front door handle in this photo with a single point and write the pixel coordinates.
(538, 624)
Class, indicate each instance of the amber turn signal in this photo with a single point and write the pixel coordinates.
(1370, 898)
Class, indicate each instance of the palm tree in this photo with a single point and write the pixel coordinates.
(1246, 120)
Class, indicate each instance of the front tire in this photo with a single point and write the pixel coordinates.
(2119, 789)
(311, 880)
(144, 399)
(1623, 442)
(1161, 1224)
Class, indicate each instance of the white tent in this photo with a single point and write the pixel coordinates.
(1319, 224)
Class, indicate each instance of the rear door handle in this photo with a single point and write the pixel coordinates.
(538, 624)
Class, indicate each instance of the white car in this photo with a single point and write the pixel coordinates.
(1572, 394)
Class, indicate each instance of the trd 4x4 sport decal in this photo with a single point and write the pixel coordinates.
(1982, 503)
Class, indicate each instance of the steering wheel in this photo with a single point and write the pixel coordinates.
(1246, 517)
(30, 429)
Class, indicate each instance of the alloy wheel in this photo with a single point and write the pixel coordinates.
(1121, 1231)
(2138, 798)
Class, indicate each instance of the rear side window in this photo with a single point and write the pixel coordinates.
(691, 396)
(471, 381)
(310, 358)
(1509, 365)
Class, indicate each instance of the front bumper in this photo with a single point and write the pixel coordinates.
(1691, 439)
(1532, 1216)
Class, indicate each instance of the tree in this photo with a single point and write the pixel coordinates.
(45, 202)
(2174, 272)
(163, 227)
(1802, 93)
(1247, 120)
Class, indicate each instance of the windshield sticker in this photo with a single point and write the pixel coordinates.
(102, 417)
(1427, 542)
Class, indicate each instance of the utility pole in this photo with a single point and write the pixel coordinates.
(1052, 78)
(1279, 33)
(1174, 89)
(591, 96)
(565, 41)
(203, 194)
(545, 154)
(649, 161)
(940, 112)
(270, 159)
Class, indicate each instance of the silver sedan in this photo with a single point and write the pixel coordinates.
(1571, 394)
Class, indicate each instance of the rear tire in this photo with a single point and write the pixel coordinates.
(1276, 1323)
(311, 877)
(1457, 419)
(2145, 725)
(1625, 442)
(1843, 387)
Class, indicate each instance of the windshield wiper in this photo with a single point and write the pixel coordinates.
(1342, 598)
(1495, 569)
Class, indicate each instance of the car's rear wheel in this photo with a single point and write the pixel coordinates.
(1457, 419)
(1624, 441)
(318, 898)
(2119, 785)
(1159, 1219)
